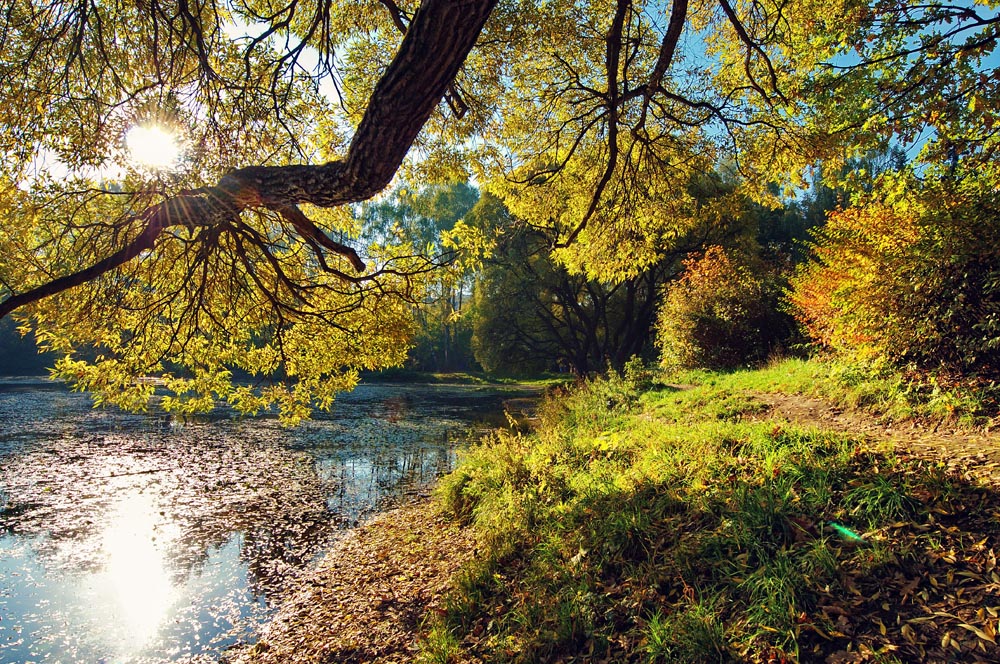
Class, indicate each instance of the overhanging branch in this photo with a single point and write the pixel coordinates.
(436, 43)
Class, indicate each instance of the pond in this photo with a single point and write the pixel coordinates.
(140, 538)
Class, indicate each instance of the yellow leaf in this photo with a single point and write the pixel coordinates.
(944, 614)
(978, 632)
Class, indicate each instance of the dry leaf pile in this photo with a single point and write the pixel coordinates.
(366, 600)
(934, 598)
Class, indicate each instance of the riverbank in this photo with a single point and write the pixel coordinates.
(410, 376)
(136, 537)
(731, 519)
(698, 523)
(368, 598)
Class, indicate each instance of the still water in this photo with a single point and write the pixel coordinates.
(140, 538)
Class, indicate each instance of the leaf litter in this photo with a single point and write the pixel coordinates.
(368, 598)
(936, 595)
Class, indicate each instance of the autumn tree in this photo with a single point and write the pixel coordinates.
(909, 278)
(588, 120)
(722, 313)
(900, 278)
(212, 267)
(534, 313)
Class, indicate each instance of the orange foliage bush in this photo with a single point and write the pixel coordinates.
(720, 314)
(911, 277)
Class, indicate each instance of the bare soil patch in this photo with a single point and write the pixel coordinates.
(970, 453)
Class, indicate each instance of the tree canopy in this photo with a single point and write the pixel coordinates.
(589, 119)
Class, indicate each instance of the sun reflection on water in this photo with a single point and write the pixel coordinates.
(136, 573)
(130, 542)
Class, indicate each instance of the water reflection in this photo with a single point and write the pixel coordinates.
(127, 538)
(136, 567)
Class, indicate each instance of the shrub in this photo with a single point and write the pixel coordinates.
(911, 278)
(721, 314)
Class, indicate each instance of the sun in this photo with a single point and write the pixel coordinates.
(153, 146)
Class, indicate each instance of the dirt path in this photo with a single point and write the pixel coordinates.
(969, 453)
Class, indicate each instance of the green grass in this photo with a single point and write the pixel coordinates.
(440, 646)
(692, 634)
(662, 524)
(793, 376)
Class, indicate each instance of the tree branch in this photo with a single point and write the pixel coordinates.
(433, 49)
(753, 47)
(678, 17)
(612, 60)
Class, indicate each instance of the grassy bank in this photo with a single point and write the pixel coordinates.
(656, 523)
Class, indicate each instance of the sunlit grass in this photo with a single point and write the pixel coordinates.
(667, 522)
(882, 392)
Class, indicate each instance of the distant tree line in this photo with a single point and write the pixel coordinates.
(515, 309)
